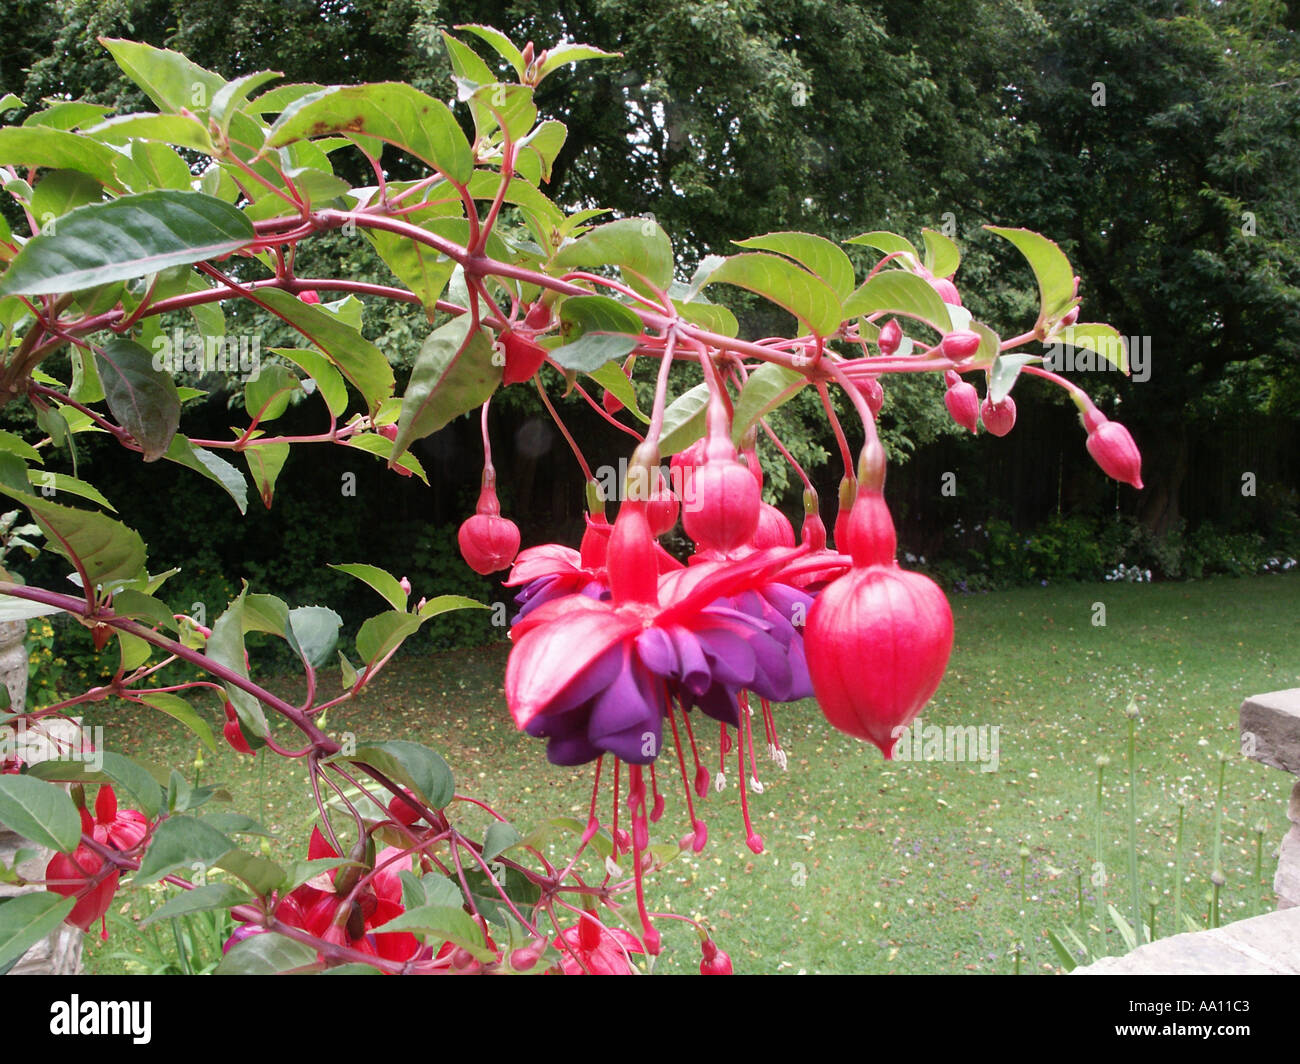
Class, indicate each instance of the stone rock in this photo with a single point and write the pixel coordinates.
(1270, 729)
(1262, 945)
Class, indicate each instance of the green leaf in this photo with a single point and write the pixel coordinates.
(180, 842)
(267, 396)
(382, 446)
(443, 923)
(889, 243)
(942, 256)
(1096, 336)
(1052, 270)
(237, 824)
(592, 351)
(266, 954)
(226, 647)
(360, 361)
(508, 107)
(1124, 928)
(319, 369)
(233, 95)
(383, 582)
(154, 165)
(899, 292)
(1068, 960)
(265, 461)
(126, 775)
(182, 130)
(453, 373)
(168, 78)
(712, 316)
(39, 811)
(612, 378)
(767, 388)
(390, 111)
(563, 54)
(27, 919)
(638, 246)
(106, 548)
(501, 836)
(66, 114)
(38, 146)
(383, 633)
(412, 765)
(314, 633)
(212, 466)
(58, 482)
(61, 191)
(818, 254)
(124, 238)
(684, 420)
(142, 398)
(143, 607)
(1002, 377)
(14, 444)
(502, 44)
(179, 709)
(788, 286)
(440, 604)
(580, 315)
(202, 899)
(260, 873)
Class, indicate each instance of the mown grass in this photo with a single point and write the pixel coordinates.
(901, 867)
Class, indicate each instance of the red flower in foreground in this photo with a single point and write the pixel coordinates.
(85, 874)
(590, 948)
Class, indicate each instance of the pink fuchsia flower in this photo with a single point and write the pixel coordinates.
(488, 541)
(123, 829)
(1112, 447)
(714, 961)
(879, 637)
(891, 335)
(962, 401)
(999, 418)
(86, 876)
(590, 948)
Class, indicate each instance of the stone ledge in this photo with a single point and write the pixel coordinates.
(1262, 945)
(1270, 729)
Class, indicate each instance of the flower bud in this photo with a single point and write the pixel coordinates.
(1113, 449)
(962, 401)
(523, 357)
(725, 509)
(663, 508)
(870, 390)
(947, 291)
(891, 335)
(774, 529)
(999, 418)
(488, 543)
(960, 345)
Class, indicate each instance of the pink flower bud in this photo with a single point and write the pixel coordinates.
(999, 418)
(891, 335)
(870, 390)
(947, 291)
(1113, 449)
(723, 514)
(774, 529)
(962, 401)
(960, 345)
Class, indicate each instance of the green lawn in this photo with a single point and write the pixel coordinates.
(906, 866)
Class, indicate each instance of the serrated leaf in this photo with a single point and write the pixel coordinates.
(453, 373)
(39, 811)
(612, 378)
(443, 923)
(126, 775)
(265, 461)
(942, 256)
(41, 146)
(126, 238)
(383, 582)
(171, 80)
(638, 246)
(182, 130)
(267, 396)
(593, 350)
(500, 43)
(226, 647)
(320, 370)
(202, 899)
(360, 361)
(1099, 337)
(563, 54)
(141, 397)
(1052, 270)
(212, 466)
(818, 254)
(182, 842)
(412, 765)
(314, 633)
(57, 482)
(106, 548)
(501, 836)
(789, 286)
(266, 954)
(684, 420)
(393, 112)
(179, 709)
(889, 243)
(260, 873)
(766, 389)
(383, 633)
(899, 292)
(27, 919)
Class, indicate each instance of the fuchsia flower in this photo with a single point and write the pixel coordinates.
(879, 637)
(962, 401)
(1112, 447)
(590, 948)
(488, 541)
(999, 418)
(891, 335)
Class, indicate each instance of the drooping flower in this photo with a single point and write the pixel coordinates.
(488, 541)
(962, 401)
(591, 948)
(1112, 447)
(999, 418)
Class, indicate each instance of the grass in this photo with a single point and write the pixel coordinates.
(904, 866)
